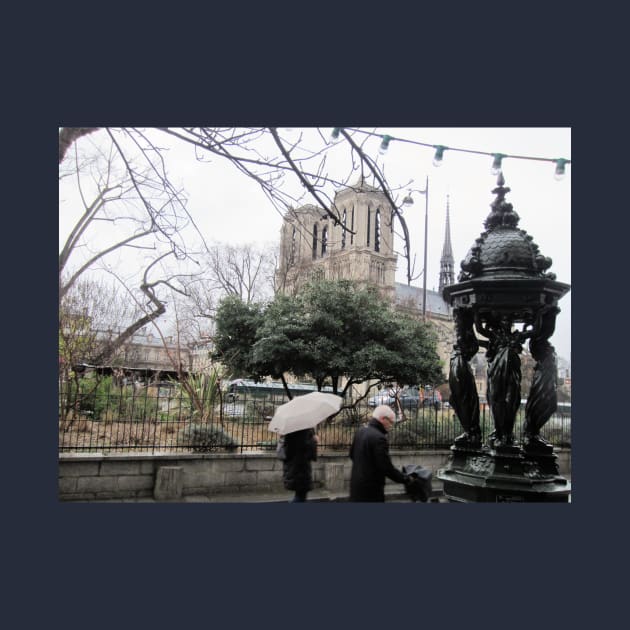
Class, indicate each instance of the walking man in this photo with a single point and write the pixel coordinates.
(370, 459)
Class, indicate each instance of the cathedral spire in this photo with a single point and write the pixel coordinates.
(447, 275)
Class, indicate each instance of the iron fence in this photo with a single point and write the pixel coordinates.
(103, 417)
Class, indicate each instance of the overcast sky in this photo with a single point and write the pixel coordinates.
(229, 208)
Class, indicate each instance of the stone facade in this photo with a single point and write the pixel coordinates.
(311, 245)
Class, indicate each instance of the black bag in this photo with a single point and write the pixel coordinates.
(419, 487)
(280, 450)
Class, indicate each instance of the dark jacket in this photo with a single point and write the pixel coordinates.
(371, 464)
(301, 449)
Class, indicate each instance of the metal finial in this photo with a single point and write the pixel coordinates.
(502, 213)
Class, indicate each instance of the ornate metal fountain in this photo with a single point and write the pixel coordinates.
(505, 296)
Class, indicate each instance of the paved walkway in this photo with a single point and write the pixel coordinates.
(393, 494)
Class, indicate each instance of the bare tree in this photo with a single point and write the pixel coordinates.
(90, 315)
(271, 159)
(242, 270)
(246, 271)
(119, 205)
(123, 189)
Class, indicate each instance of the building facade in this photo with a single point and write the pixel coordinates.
(312, 247)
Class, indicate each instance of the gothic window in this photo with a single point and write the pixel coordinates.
(368, 226)
(343, 230)
(377, 231)
(324, 239)
(292, 255)
(352, 225)
(314, 242)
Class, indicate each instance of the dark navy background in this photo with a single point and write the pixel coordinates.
(312, 566)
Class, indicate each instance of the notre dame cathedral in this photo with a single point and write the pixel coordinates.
(311, 246)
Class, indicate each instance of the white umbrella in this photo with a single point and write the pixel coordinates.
(304, 412)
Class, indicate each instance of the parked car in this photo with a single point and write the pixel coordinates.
(409, 398)
(382, 397)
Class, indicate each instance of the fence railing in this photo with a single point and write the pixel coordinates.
(162, 418)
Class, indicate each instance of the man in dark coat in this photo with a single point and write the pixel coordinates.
(370, 458)
(300, 450)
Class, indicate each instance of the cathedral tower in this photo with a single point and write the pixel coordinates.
(312, 246)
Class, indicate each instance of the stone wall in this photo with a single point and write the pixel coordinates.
(93, 477)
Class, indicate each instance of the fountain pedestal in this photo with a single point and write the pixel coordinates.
(503, 475)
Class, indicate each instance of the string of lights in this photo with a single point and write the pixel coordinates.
(497, 158)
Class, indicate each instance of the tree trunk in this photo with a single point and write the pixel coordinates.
(68, 135)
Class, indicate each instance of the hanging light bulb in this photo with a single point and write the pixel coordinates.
(384, 145)
(559, 174)
(496, 163)
(439, 154)
(335, 134)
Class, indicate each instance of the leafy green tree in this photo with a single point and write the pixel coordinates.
(236, 324)
(284, 342)
(331, 330)
(357, 335)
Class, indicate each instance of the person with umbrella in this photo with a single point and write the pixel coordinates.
(295, 421)
(371, 463)
(300, 449)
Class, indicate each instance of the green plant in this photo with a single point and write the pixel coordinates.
(200, 392)
(203, 438)
(140, 408)
(258, 411)
(406, 434)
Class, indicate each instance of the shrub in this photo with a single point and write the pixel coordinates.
(203, 438)
(140, 408)
(258, 411)
(405, 434)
